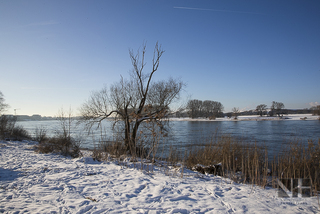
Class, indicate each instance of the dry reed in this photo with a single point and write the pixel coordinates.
(246, 162)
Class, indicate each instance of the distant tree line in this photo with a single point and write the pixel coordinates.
(208, 109)
(277, 108)
(213, 109)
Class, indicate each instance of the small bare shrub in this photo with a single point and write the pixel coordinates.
(97, 154)
(213, 117)
(45, 148)
(62, 142)
(62, 145)
(6, 126)
(19, 133)
(40, 135)
(8, 129)
(115, 149)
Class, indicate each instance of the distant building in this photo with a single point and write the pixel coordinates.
(22, 117)
(27, 117)
(35, 117)
(47, 118)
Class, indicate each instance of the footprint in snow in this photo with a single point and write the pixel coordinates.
(140, 188)
(86, 202)
(85, 209)
(131, 195)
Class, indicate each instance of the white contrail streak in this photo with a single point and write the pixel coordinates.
(44, 23)
(45, 88)
(223, 11)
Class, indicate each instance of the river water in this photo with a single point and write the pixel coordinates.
(275, 135)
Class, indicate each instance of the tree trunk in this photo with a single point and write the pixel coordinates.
(134, 134)
(127, 134)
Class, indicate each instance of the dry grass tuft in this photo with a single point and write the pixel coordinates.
(248, 163)
(227, 156)
(60, 144)
(299, 161)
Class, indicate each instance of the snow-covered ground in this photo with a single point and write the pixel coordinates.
(254, 117)
(46, 183)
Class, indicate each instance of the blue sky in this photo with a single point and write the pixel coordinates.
(241, 53)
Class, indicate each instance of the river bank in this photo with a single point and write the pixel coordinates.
(254, 118)
(46, 183)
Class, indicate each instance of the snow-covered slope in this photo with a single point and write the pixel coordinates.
(46, 183)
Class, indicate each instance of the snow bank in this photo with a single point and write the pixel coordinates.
(45, 183)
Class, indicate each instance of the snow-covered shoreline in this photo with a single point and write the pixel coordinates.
(254, 118)
(47, 183)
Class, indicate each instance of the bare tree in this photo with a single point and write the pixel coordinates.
(197, 108)
(218, 109)
(277, 108)
(191, 107)
(235, 112)
(316, 110)
(7, 123)
(134, 101)
(3, 105)
(212, 109)
(194, 108)
(66, 122)
(207, 108)
(261, 109)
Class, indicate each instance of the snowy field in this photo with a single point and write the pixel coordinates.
(254, 117)
(45, 183)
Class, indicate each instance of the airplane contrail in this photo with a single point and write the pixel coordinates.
(44, 23)
(223, 11)
(47, 88)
